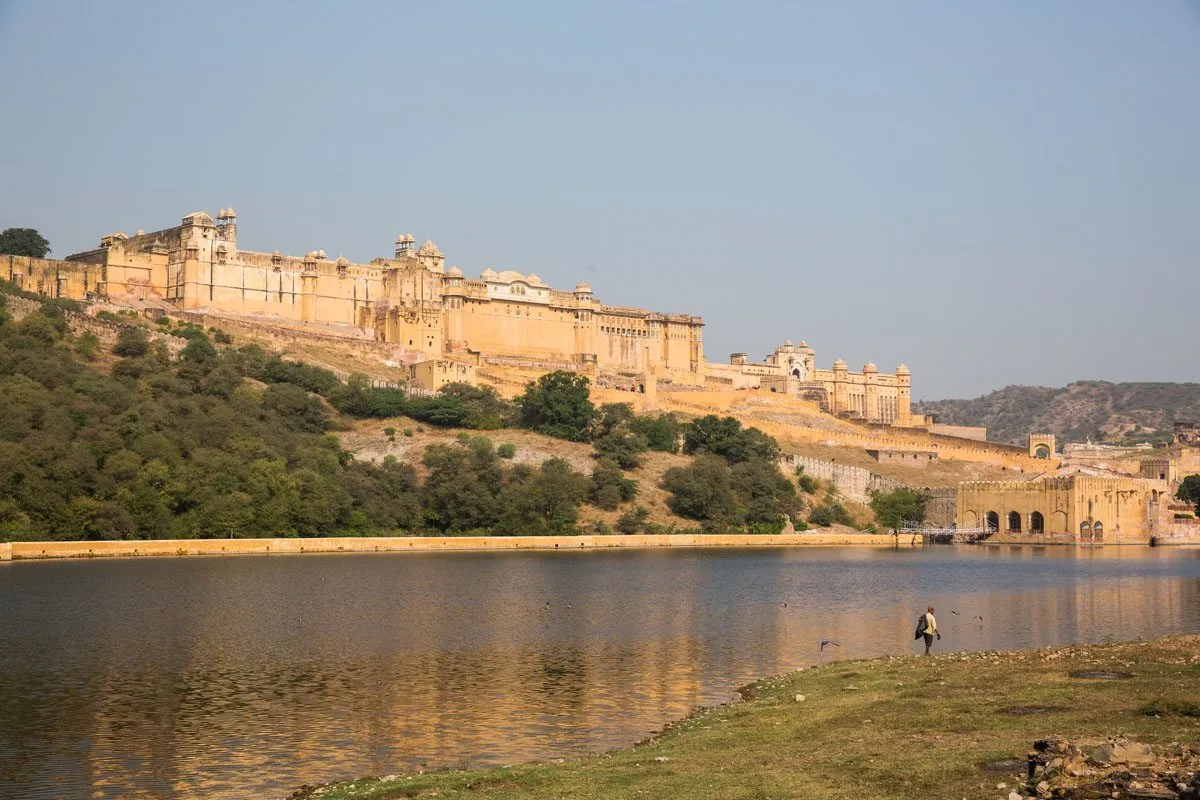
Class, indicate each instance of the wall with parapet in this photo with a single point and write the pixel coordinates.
(977, 433)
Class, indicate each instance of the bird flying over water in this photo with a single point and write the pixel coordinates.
(955, 613)
(979, 617)
(831, 642)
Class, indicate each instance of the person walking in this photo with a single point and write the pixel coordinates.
(927, 627)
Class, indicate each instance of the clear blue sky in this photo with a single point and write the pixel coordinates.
(995, 193)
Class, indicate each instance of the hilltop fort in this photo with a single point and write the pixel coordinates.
(431, 314)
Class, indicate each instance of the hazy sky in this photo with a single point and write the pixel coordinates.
(995, 193)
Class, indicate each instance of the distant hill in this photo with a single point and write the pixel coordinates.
(1112, 413)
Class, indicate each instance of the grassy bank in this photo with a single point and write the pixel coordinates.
(905, 727)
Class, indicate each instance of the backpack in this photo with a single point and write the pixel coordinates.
(920, 627)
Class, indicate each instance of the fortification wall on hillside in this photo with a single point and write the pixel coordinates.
(858, 484)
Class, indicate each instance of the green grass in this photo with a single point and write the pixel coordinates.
(904, 727)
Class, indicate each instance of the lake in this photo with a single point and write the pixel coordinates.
(240, 676)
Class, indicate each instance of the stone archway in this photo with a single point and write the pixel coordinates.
(1037, 523)
(1014, 522)
(1085, 531)
(1058, 522)
(1041, 451)
(993, 521)
(1097, 531)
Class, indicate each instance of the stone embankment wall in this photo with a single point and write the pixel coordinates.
(16, 551)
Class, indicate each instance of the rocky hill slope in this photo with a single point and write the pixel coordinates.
(1114, 413)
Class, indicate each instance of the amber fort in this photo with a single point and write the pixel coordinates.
(430, 325)
(435, 315)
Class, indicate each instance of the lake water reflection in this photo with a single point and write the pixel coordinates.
(231, 677)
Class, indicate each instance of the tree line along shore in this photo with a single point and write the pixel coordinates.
(170, 431)
(1107, 720)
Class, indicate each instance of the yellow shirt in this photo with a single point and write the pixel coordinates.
(930, 624)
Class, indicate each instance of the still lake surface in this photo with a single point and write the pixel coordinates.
(246, 676)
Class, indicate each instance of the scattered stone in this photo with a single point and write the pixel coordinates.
(1015, 796)
(800, 698)
(661, 759)
(1123, 753)
(1043, 787)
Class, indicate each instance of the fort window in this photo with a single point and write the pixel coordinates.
(1037, 523)
(1014, 522)
(993, 521)
(1097, 530)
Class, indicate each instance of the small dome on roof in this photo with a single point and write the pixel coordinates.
(277, 254)
(221, 212)
(487, 273)
(534, 279)
(839, 364)
(902, 370)
(401, 238)
(139, 232)
(787, 342)
(342, 262)
(870, 367)
(454, 272)
(428, 249)
(803, 343)
(582, 287)
(229, 212)
(321, 254)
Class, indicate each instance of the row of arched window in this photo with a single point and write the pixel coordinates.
(1037, 524)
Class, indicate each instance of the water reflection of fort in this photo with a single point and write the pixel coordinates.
(340, 668)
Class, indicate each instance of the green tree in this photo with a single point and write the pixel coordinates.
(609, 486)
(725, 437)
(766, 493)
(131, 343)
(660, 433)
(23, 242)
(892, 509)
(557, 404)
(1189, 491)
(703, 491)
(544, 503)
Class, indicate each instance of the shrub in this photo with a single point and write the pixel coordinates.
(632, 520)
(86, 345)
(390, 433)
(162, 321)
(829, 513)
(506, 450)
(609, 487)
(600, 528)
(463, 437)
(131, 343)
(660, 433)
(221, 337)
(807, 483)
(408, 432)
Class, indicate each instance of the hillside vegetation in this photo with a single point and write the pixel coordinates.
(165, 430)
(1112, 413)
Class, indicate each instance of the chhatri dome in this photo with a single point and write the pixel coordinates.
(454, 272)
(902, 370)
(839, 364)
(870, 367)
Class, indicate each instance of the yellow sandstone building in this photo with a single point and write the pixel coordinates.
(436, 316)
